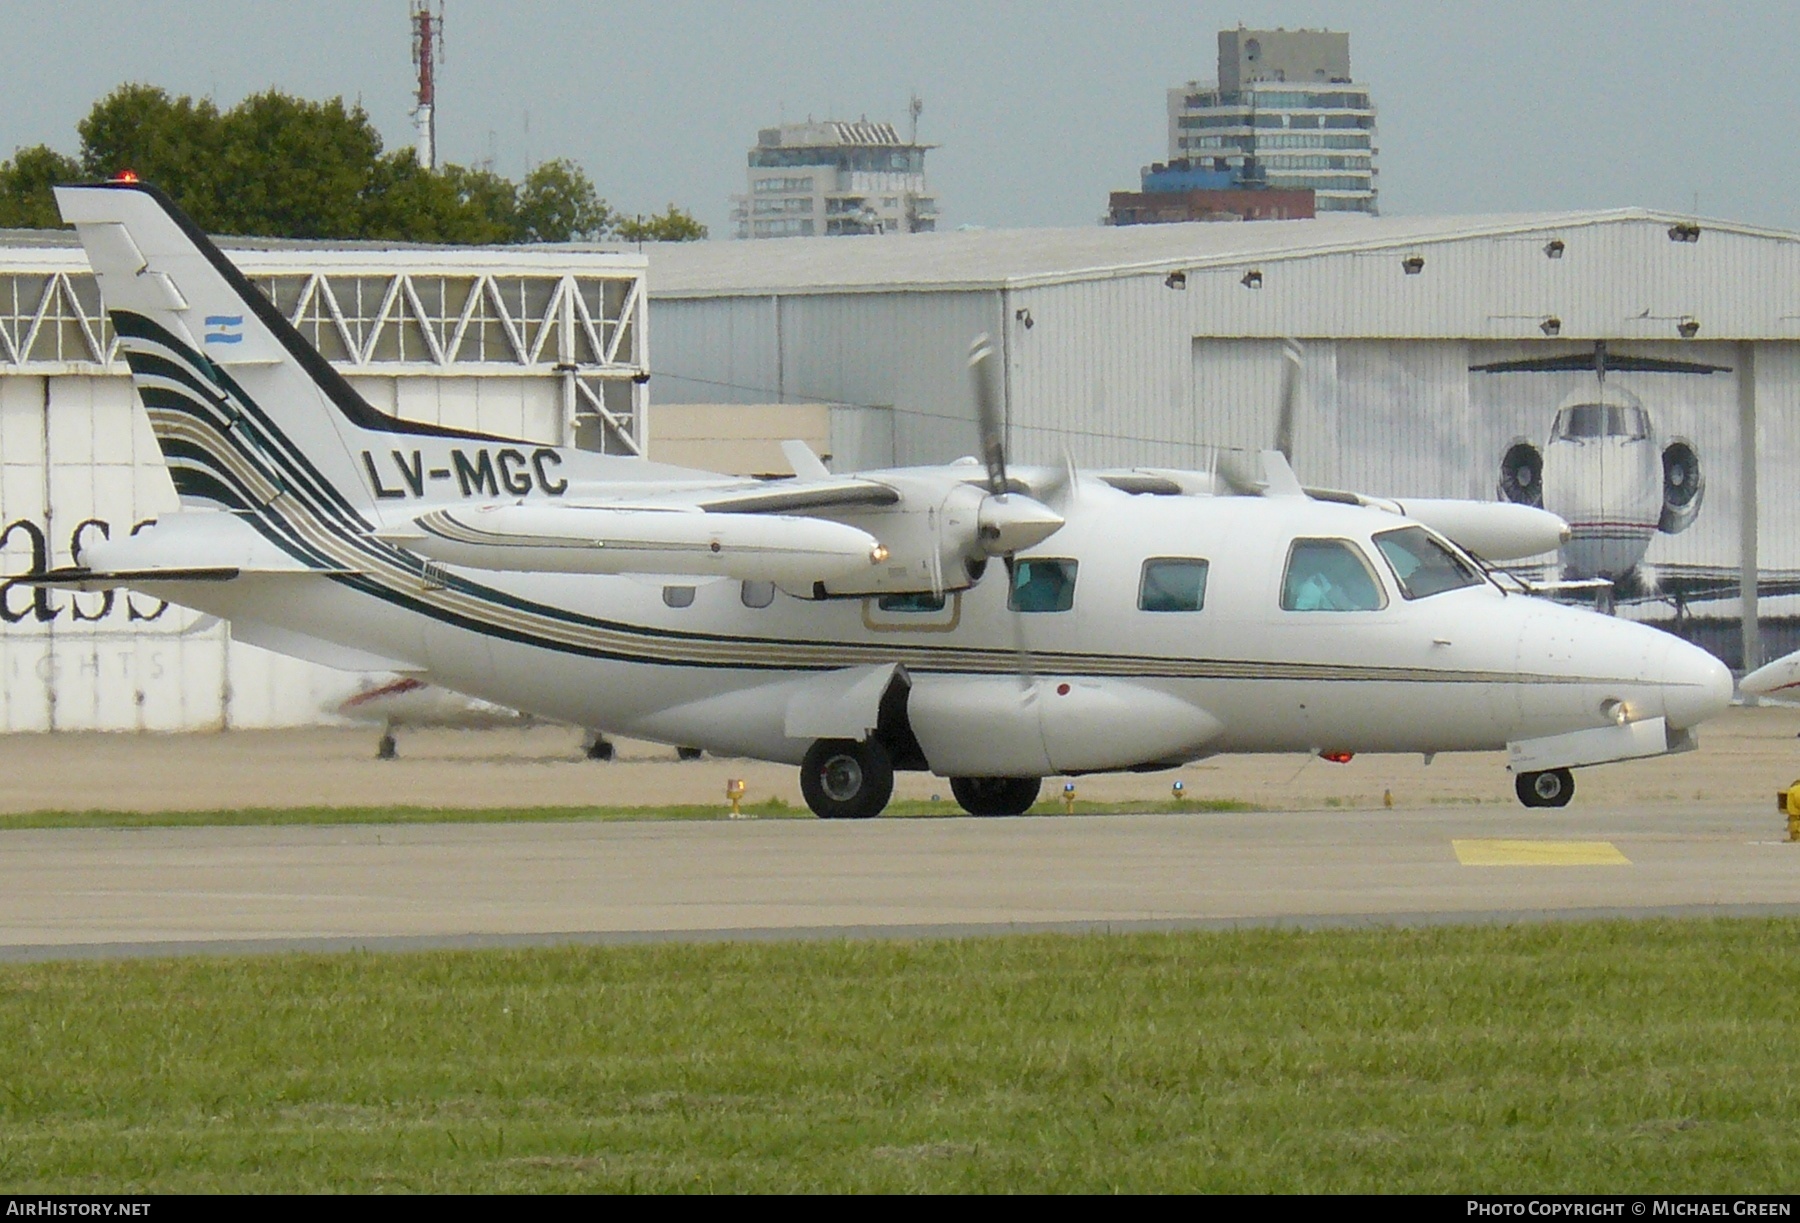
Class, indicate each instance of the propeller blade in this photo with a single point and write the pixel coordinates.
(990, 416)
(1006, 521)
(1239, 473)
(1024, 664)
(1290, 395)
(1060, 489)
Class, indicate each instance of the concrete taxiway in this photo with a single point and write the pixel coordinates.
(121, 892)
(1695, 833)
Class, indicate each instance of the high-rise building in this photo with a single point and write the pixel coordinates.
(810, 179)
(1284, 112)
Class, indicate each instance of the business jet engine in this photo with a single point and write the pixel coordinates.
(1522, 474)
(1684, 486)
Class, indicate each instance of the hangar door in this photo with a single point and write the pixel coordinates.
(78, 463)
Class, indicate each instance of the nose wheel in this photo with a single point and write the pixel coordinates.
(845, 780)
(1551, 788)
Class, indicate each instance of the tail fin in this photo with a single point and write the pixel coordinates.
(243, 407)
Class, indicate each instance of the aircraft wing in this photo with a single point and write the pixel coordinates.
(758, 544)
(791, 498)
(901, 531)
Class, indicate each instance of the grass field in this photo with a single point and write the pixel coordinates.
(768, 809)
(1632, 1056)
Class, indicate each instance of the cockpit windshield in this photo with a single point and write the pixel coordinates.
(1586, 420)
(1424, 566)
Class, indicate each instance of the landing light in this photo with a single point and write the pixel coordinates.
(1618, 711)
(877, 554)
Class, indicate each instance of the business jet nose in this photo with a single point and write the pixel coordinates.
(1696, 686)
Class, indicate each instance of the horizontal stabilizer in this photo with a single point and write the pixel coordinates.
(77, 577)
(534, 538)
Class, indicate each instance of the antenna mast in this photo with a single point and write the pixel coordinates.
(427, 53)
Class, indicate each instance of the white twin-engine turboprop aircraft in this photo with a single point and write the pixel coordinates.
(992, 630)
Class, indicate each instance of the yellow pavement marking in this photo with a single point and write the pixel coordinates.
(1539, 853)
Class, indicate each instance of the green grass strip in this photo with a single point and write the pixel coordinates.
(1655, 1056)
(767, 809)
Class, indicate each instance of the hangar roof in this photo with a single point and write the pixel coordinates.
(1016, 258)
(59, 249)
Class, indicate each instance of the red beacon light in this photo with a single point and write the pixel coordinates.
(1337, 757)
(124, 176)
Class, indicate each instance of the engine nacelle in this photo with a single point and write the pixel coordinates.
(929, 535)
(1492, 530)
(1003, 726)
(1684, 487)
(1522, 474)
(937, 538)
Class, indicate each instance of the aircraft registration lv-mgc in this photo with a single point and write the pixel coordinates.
(993, 628)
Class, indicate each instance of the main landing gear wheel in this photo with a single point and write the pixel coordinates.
(1552, 788)
(996, 795)
(846, 780)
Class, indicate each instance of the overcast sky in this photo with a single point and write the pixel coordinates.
(1040, 108)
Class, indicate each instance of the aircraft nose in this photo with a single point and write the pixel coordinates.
(1696, 686)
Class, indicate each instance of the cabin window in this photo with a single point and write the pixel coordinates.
(1423, 566)
(678, 596)
(917, 602)
(917, 612)
(1042, 585)
(758, 594)
(1329, 575)
(1171, 584)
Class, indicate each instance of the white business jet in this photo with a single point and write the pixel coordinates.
(992, 629)
(1605, 470)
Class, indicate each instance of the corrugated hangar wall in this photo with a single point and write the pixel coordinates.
(901, 358)
(1159, 357)
(541, 345)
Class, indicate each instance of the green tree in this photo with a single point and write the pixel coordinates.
(279, 166)
(457, 206)
(558, 203)
(293, 168)
(173, 142)
(494, 198)
(25, 182)
(670, 225)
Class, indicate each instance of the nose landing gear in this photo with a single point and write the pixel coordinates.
(1551, 788)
